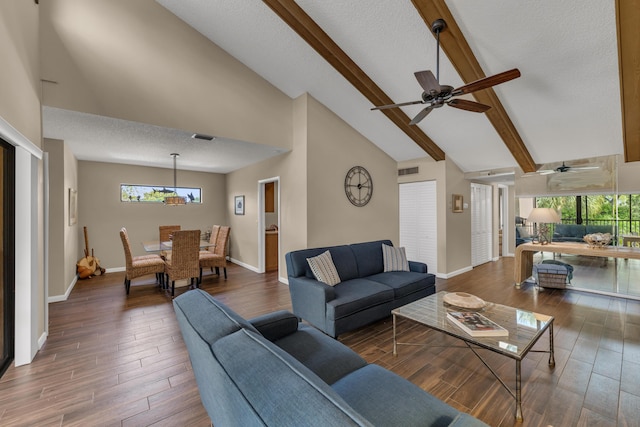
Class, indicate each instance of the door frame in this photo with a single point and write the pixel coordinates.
(261, 221)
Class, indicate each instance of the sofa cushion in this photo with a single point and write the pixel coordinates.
(327, 358)
(395, 259)
(404, 283)
(282, 391)
(392, 391)
(356, 295)
(369, 257)
(569, 230)
(323, 269)
(209, 317)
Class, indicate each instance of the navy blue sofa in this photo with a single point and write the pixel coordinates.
(275, 371)
(576, 232)
(366, 293)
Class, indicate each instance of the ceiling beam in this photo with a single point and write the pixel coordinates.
(628, 22)
(311, 32)
(461, 56)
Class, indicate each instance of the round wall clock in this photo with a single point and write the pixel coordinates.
(358, 186)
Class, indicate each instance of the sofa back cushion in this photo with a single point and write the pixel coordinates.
(343, 259)
(570, 230)
(369, 257)
(281, 390)
(204, 321)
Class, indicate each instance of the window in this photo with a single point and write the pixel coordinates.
(132, 193)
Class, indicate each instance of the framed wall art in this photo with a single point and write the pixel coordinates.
(239, 205)
(457, 203)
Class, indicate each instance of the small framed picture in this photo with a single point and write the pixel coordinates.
(456, 203)
(239, 205)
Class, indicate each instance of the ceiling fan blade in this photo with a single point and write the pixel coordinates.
(402, 104)
(428, 81)
(464, 104)
(421, 115)
(487, 82)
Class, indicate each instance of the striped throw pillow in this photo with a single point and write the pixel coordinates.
(323, 269)
(395, 259)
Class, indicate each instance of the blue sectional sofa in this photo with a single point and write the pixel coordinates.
(576, 232)
(366, 293)
(275, 371)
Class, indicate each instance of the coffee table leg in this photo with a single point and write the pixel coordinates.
(395, 350)
(552, 360)
(518, 392)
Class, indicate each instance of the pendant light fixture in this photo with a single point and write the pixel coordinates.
(174, 200)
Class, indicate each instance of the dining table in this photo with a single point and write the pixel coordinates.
(158, 246)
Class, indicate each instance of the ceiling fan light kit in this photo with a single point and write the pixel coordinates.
(435, 95)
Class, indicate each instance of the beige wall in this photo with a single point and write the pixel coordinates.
(20, 82)
(334, 148)
(63, 237)
(314, 210)
(100, 208)
(458, 231)
(166, 73)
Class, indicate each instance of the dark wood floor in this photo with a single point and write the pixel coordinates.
(117, 360)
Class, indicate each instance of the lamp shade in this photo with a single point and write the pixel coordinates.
(543, 216)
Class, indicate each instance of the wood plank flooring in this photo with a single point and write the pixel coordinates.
(113, 360)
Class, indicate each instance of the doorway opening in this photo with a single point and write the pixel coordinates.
(7, 257)
(269, 224)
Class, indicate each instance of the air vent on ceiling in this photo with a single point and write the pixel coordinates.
(203, 136)
(408, 171)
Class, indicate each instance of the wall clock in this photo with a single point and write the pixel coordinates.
(358, 186)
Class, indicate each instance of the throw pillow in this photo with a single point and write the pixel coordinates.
(324, 269)
(524, 232)
(395, 259)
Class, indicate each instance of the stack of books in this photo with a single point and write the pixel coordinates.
(476, 325)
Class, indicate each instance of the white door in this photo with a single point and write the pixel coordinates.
(418, 222)
(481, 224)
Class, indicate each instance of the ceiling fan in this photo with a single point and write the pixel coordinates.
(565, 168)
(437, 95)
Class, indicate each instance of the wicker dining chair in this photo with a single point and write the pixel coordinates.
(218, 257)
(165, 235)
(183, 263)
(137, 266)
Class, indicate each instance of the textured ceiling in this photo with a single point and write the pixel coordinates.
(110, 140)
(565, 106)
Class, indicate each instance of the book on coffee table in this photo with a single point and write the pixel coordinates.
(476, 325)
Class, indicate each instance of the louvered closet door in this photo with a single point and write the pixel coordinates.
(418, 222)
(481, 231)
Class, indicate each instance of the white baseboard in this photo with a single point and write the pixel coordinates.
(242, 264)
(58, 298)
(454, 273)
(42, 340)
(115, 269)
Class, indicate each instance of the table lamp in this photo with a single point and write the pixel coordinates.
(543, 217)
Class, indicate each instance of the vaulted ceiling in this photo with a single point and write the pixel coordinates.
(578, 95)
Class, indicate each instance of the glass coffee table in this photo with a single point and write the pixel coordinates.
(525, 328)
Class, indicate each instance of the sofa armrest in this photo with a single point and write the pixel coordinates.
(418, 267)
(309, 299)
(276, 325)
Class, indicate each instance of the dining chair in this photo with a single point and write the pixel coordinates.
(218, 257)
(183, 263)
(165, 235)
(142, 265)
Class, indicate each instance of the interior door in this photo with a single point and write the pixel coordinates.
(481, 223)
(419, 222)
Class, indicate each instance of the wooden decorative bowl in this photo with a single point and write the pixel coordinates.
(464, 300)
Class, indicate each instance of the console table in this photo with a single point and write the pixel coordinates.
(524, 254)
